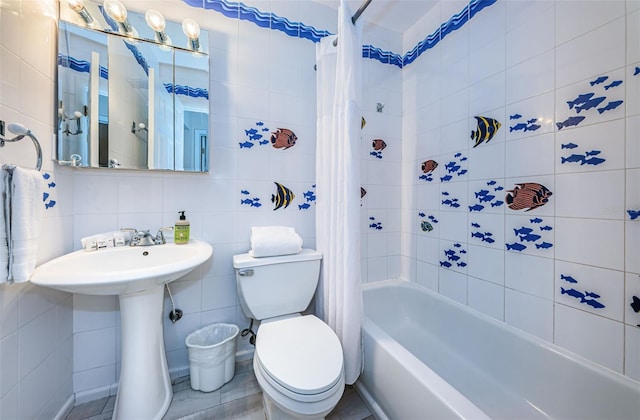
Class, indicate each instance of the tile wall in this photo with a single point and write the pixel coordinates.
(36, 341)
(537, 211)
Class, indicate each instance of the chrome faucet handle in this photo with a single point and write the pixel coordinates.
(160, 240)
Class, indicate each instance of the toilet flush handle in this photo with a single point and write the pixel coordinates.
(245, 273)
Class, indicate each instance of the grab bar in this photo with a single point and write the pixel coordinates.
(21, 131)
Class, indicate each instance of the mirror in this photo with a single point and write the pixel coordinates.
(129, 96)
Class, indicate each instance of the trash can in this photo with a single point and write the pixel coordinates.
(212, 352)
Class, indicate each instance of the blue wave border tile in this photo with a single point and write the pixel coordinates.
(238, 10)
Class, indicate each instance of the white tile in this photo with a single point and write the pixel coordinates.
(529, 274)
(488, 59)
(453, 196)
(574, 18)
(529, 313)
(632, 246)
(574, 195)
(454, 137)
(9, 363)
(590, 289)
(531, 36)
(427, 275)
(453, 285)
(97, 194)
(93, 312)
(486, 297)
(596, 338)
(486, 264)
(530, 156)
(592, 54)
(487, 94)
(453, 226)
(633, 34)
(531, 77)
(90, 379)
(487, 161)
(94, 349)
(631, 351)
(632, 87)
(633, 142)
(454, 107)
(428, 249)
(175, 334)
(590, 241)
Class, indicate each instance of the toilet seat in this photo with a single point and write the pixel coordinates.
(300, 357)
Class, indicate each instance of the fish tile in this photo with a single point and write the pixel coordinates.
(576, 150)
(453, 196)
(532, 235)
(529, 313)
(535, 117)
(631, 304)
(590, 289)
(486, 196)
(486, 264)
(590, 241)
(574, 195)
(594, 337)
(453, 256)
(541, 204)
(632, 349)
(486, 297)
(486, 230)
(529, 274)
(632, 86)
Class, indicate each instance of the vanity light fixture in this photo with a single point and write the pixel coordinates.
(116, 10)
(156, 21)
(78, 6)
(192, 30)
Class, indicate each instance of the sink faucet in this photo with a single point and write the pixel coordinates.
(144, 238)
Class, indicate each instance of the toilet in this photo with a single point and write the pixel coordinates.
(298, 358)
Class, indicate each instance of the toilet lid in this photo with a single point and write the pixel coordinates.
(301, 354)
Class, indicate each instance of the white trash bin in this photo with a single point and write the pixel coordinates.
(212, 352)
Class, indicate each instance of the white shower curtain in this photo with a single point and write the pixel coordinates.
(339, 298)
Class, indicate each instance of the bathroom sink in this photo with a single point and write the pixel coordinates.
(121, 270)
(137, 275)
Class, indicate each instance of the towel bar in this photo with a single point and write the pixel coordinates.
(21, 131)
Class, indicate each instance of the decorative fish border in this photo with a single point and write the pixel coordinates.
(374, 224)
(487, 197)
(479, 234)
(454, 257)
(533, 234)
(255, 136)
(268, 20)
(568, 286)
(247, 200)
(47, 197)
(427, 223)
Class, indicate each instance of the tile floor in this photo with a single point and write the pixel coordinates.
(241, 398)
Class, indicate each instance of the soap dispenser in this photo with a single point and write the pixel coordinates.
(181, 231)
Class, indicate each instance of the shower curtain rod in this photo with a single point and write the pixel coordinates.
(355, 16)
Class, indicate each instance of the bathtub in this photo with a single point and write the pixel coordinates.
(427, 357)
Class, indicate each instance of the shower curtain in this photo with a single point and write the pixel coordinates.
(339, 298)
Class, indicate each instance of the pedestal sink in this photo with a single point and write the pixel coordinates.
(137, 275)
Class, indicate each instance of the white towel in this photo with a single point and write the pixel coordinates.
(4, 219)
(270, 241)
(27, 188)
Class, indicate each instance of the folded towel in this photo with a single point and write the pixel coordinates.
(26, 189)
(4, 214)
(270, 241)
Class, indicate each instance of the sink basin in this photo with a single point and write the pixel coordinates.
(137, 275)
(121, 270)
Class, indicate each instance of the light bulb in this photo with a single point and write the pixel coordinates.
(116, 10)
(191, 28)
(76, 5)
(155, 20)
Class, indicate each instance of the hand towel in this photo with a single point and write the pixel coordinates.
(27, 188)
(270, 241)
(4, 224)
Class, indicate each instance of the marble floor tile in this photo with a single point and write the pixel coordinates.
(240, 398)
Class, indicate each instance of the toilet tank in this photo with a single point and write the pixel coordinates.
(275, 286)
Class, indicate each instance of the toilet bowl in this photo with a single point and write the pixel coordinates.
(298, 359)
(298, 364)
